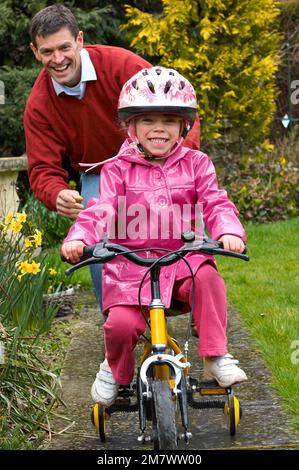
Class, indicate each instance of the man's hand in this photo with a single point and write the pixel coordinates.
(232, 243)
(68, 203)
(73, 251)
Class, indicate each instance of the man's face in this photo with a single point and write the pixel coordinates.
(59, 53)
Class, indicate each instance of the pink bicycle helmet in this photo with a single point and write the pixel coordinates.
(158, 89)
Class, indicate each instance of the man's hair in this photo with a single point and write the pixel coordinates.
(50, 20)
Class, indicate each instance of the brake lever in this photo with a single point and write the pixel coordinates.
(212, 247)
(76, 266)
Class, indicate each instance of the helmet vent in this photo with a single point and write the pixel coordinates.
(182, 85)
(134, 84)
(158, 71)
(167, 87)
(151, 86)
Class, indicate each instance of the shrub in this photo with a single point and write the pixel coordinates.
(264, 190)
(288, 69)
(18, 83)
(18, 68)
(228, 50)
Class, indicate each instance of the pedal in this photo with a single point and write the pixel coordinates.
(211, 387)
(208, 387)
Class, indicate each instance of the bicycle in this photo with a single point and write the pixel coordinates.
(163, 385)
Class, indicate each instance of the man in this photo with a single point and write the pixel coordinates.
(72, 110)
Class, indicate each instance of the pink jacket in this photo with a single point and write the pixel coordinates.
(142, 205)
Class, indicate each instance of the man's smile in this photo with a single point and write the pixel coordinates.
(60, 68)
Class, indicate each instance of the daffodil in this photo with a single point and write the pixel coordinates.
(31, 268)
(34, 268)
(37, 238)
(9, 217)
(52, 272)
(16, 226)
(28, 243)
(21, 217)
(25, 267)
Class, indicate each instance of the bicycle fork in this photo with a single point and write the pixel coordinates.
(159, 364)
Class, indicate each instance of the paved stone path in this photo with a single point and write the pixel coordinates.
(264, 423)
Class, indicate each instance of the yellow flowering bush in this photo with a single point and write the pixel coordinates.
(230, 52)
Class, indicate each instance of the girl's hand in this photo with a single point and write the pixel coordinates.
(73, 251)
(232, 243)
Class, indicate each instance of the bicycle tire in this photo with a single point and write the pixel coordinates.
(164, 416)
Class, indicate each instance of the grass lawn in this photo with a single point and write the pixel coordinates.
(266, 293)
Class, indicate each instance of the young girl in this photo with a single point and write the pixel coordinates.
(155, 177)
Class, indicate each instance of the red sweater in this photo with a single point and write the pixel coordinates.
(84, 130)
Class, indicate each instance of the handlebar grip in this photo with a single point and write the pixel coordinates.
(87, 253)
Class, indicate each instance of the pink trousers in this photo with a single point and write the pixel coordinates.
(125, 324)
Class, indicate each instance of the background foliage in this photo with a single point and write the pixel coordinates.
(289, 66)
(233, 53)
(229, 51)
(18, 68)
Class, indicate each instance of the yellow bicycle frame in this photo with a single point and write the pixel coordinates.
(161, 339)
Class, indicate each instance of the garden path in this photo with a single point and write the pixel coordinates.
(265, 424)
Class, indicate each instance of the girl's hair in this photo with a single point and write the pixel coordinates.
(50, 20)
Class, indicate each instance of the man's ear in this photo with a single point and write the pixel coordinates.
(35, 51)
(80, 40)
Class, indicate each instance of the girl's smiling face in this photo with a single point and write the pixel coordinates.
(158, 133)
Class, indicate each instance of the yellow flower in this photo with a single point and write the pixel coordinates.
(34, 268)
(27, 243)
(21, 217)
(9, 217)
(16, 227)
(282, 161)
(31, 268)
(19, 277)
(25, 267)
(52, 272)
(37, 237)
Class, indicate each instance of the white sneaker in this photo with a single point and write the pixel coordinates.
(105, 388)
(224, 370)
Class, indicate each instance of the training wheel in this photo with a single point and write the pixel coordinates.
(232, 409)
(98, 419)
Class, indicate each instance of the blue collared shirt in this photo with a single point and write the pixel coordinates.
(88, 73)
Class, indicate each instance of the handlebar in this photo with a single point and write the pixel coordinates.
(104, 252)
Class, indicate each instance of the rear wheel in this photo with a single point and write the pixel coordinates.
(165, 432)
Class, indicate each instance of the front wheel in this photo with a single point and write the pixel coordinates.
(165, 432)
